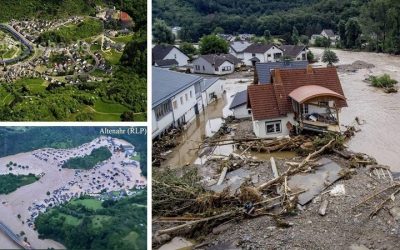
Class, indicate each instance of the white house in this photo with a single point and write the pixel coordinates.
(177, 98)
(327, 33)
(237, 48)
(174, 101)
(214, 64)
(257, 53)
(239, 105)
(295, 52)
(297, 100)
(165, 55)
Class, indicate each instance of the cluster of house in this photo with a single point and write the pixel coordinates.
(32, 28)
(112, 14)
(241, 53)
(109, 44)
(286, 97)
(328, 34)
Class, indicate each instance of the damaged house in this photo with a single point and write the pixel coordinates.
(296, 100)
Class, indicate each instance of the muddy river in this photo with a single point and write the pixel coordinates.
(379, 136)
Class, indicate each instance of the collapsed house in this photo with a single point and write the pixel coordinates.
(296, 100)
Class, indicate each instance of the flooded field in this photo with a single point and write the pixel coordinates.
(380, 135)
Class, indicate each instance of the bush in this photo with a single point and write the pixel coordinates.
(384, 81)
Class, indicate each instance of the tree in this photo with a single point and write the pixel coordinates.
(329, 57)
(295, 36)
(188, 48)
(135, 54)
(218, 30)
(310, 57)
(322, 42)
(213, 44)
(342, 32)
(162, 33)
(353, 33)
(267, 36)
(128, 116)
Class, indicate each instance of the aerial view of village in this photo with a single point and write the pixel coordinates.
(73, 188)
(275, 124)
(73, 60)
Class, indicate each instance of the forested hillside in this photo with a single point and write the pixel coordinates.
(374, 24)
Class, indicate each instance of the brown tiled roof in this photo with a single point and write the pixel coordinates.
(272, 100)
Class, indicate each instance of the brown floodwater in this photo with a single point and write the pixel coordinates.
(380, 135)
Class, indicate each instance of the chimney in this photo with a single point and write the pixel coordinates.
(310, 69)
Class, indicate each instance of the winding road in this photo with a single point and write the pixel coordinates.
(20, 38)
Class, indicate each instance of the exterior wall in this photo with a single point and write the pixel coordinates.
(259, 127)
(216, 88)
(225, 64)
(300, 56)
(176, 54)
(162, 124)
(187, 108)
(241, 112)
(207, 68)
(263, 57)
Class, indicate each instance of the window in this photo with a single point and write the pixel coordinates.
(182, 100)
(269, 55)
(197, 67)
(175, 104)
(186, 96)
(323, 103)
(249, 111)
(163, 109)
(226, 68)
(204, 68)
(305, 108)
(190, 94)
(273, 127)
(175, 56)
(253, 54)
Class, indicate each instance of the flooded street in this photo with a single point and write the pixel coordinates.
(380, 135)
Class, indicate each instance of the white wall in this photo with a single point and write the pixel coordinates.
(176, 54)
(263, 57)
(162, 124)
(207, 68)
(216, 88)
(241, 112)
(187, 108)
(261, 132)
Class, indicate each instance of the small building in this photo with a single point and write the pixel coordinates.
(214, 64)
(162, 52)
(237, 48)
(327, 33)
(239, 105)
(294, 52)
(297, 100)
(126, 20)
(211, 90)
(260, 53)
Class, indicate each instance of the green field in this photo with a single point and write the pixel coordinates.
(103, 107)
(87, 28)
(112, 56)
(88, 161)
(92, 204)
(9, 183)
(123, 39)
(34, 85)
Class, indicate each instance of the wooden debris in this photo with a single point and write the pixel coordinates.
(323, 207)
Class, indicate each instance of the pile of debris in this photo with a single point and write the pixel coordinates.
(355, 66)
(163, 145)
(195, 201)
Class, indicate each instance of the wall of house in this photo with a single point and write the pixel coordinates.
(225, 64)
(300, 56)
(205, 67)
(176, 54)
(187, 107)
(262, 57)
(260, 131)
(241, 112)
(162, 124)
(216, 88)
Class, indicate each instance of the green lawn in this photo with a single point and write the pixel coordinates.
(104, 107)
(89, 203)
(97, 220)
(137, 157)
(112, 56)
(35, 85)
(71, 220)
(88, 161)
(123, 39)
(106, 117)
